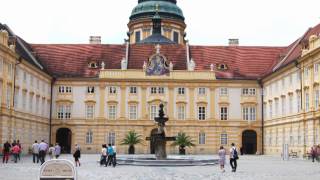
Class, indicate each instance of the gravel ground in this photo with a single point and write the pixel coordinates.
(249, 168)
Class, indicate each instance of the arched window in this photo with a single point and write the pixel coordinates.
(89, 137)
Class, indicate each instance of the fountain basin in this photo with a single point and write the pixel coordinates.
(170, 161)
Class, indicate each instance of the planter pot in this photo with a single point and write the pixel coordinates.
(131, 150)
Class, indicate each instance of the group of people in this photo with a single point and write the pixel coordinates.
(108, 155)
(40, 150)
(15, 149)
(315, 152)
(234, 156)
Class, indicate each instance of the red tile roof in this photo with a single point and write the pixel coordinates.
(243, 62)
(72, 60)
(295, 49)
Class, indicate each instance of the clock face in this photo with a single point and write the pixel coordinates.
(157, 66)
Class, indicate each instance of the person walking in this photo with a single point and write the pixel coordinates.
(77, 155)
(222, 158)
(35, 151)
(57, 150)
(110, 156)
(6, 152)
(103, 159)
(313, 153)
(15, 152)
(18, 143)
(114, 155)
(51, 151)
(233, 157)
(43, 148)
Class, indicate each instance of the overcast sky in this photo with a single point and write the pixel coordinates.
(210, 22)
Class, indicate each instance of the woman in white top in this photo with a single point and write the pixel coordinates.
(51, 151)
(222, 158)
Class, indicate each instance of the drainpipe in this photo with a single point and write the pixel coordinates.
(262, 117)
(51, 104)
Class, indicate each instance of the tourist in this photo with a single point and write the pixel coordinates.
(110, 156)
(103, 159)
(6, 152)
(19, 155)
(233, 157)
(114, 155)
(43, 148)
(222, 158)
(15, 151)
(77, 155)
(57, 150)
(35, 151)
(313, 152)
(51, 151)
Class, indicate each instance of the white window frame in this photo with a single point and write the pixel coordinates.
(202, 138)
(201, 91)
(112, 90)
(224, 139)
(68, 110)
(112, 112)
(90, 111)
(202, 113)
(153, 112)
(89, 137)
(8, 96)
(161, 90)
(90, 90)
(181, 91)
(224, 110)
(112, 138)
(249, 113)
(283, 106)
(133, 90)
(133, 112)
(223, 91)
(153, 90)
(316, 99)
(181, 112)
(307, 101)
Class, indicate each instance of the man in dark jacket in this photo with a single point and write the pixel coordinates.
(6, 152)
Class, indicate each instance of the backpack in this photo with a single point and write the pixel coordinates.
(235, 154)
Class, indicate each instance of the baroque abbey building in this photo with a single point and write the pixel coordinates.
(255, 96)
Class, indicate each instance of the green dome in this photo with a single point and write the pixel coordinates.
(166, 9)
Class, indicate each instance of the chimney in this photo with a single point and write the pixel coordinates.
(95, 39)
(233, 42)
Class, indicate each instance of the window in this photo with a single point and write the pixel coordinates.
(283, 82)
(10, 70)
(202, 91)
(60, 112)
(201, 113)
(249, 113)
(181, 112)
(8, 98)
(202, 138)
(276, 110)
(1, 92)
(65, 89)
(1, 65)
(138, 36)
(16, 98)
(24, 77)
(89, 137)
(153, 112)
(176, 37)
(223, 91)
(265, 111)
(298, 102)
(30, 103)
(38, 84)
(61, 89)
(37, 104)
(270, 110)
(112, 138)
(153, 90)
(181, 91)
(90, 111)
(224, 139)
(68, 89)
(31, 80)
(306, 73)
(161, 90)
(316, 99)
(290, 104)
(224, 113)
(112, 90)
(283, 106)
(68, 112)
(24, 100)
(112, 112)
(133, 110)
(249, 91)
(307, 102)
(90, 90)
(290, 79)
(316, 68)
(133, 90)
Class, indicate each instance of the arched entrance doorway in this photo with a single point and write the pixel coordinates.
(63, 137)
(249, 142)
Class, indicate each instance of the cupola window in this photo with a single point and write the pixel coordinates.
(138, 36)
(176, 37)
(222, 67)
(93, 65)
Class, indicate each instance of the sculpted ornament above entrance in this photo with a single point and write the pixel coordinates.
(157, 64)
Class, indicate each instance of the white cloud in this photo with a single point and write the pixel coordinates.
(254, 22)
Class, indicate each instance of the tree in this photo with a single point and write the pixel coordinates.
(183, 141)
(131, 139)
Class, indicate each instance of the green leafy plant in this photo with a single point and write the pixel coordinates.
(183, 141)
(131, 139)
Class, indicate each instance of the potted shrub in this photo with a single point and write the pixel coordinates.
(183, 141)
(131, 139)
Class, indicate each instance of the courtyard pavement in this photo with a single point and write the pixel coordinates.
(249, 168)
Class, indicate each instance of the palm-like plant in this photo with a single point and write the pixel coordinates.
(131, 139)
(183, 141)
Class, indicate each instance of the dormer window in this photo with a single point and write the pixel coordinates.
(222, 67)
(93, 65)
